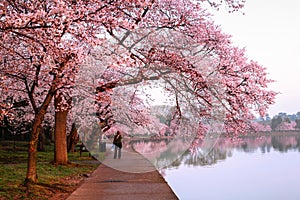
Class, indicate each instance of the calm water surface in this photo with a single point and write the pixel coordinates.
(256, 168)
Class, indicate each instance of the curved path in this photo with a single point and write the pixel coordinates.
(129, 178)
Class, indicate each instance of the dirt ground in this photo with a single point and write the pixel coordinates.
(68, 185)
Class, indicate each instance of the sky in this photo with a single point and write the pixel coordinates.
(270, 30)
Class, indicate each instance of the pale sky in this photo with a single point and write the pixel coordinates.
(270, 31)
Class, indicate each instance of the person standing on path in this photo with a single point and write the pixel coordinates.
(118, 145)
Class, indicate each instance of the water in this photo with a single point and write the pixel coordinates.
(255, 168)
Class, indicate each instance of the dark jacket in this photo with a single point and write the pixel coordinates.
(117, 141)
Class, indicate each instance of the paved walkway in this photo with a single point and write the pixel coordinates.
(129, 178)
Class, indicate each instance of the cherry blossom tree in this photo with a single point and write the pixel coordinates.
(203, 70)
(174, 44)
(42, 45)
(286, 126)
(261, 127)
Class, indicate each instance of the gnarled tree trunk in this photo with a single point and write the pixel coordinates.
(31, 176)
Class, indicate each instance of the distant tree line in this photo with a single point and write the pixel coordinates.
(281, 122)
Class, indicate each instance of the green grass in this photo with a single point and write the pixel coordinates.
(52, 179)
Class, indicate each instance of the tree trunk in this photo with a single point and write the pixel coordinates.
(41, 141)
(60, 152)
(72, 139)
(31, 176)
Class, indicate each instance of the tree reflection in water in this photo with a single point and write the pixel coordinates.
(159, 152)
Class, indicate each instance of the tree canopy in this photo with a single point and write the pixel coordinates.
(110, 51)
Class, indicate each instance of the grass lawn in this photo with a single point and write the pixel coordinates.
(55, 182)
